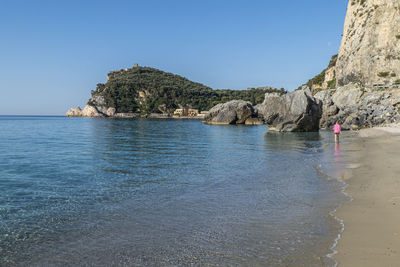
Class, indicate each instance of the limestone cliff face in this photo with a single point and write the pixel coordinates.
(370, 49)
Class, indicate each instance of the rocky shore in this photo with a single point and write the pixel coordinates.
(356, 107)
(297, 111)
(353, 106)
(92, 112)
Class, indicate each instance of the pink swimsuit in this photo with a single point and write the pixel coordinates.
(337, 129)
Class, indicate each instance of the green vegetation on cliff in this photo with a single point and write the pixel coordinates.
(316, 83)
(148, 90)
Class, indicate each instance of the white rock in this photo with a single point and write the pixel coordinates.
(90, 111)
(74, 112)
(110, 112)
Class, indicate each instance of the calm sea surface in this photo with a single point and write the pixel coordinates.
(80, 191)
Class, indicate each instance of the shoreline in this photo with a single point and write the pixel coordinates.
(333, 247)
(370, 235)
(140, 117)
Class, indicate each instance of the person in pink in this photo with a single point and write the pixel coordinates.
(337, 129)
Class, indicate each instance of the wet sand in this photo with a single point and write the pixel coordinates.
(371, 234)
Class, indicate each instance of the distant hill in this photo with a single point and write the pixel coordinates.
(147, 90)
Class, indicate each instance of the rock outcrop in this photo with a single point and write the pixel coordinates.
(233, 112)
(91, 111)
(87, 111)
(99, 104)
(110, 112)
(370, 49)
(297, 111)
(74, 112)
(356, 107)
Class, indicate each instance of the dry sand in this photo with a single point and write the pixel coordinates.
(371, 234)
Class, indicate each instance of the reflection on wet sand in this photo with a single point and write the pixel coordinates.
(337, 152)
(293, 141)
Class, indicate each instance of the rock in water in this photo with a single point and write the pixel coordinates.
(297, 111)
(110, 112)
(90, 111)
(370, 48)
(74, 112)
(233, 112)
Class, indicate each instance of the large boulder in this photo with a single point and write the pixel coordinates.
(233, 112)
(329, 109)
(91, 111)
(297, 111)
(74, 112)
(110, 112)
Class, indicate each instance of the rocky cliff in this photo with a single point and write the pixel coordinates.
(360, 86)
(370, 50)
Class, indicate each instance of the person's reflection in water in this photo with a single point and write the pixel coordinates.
(337, 152)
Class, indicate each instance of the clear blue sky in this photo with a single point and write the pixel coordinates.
(52, 53)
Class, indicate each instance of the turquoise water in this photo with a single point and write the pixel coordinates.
(81, 191)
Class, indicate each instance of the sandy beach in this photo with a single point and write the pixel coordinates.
(371, 234)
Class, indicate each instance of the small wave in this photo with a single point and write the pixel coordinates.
(332, 213)
(340, 221)
(343, 186)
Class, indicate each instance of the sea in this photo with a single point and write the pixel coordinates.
(165, 192)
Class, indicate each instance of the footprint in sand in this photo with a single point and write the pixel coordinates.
(395, 200)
